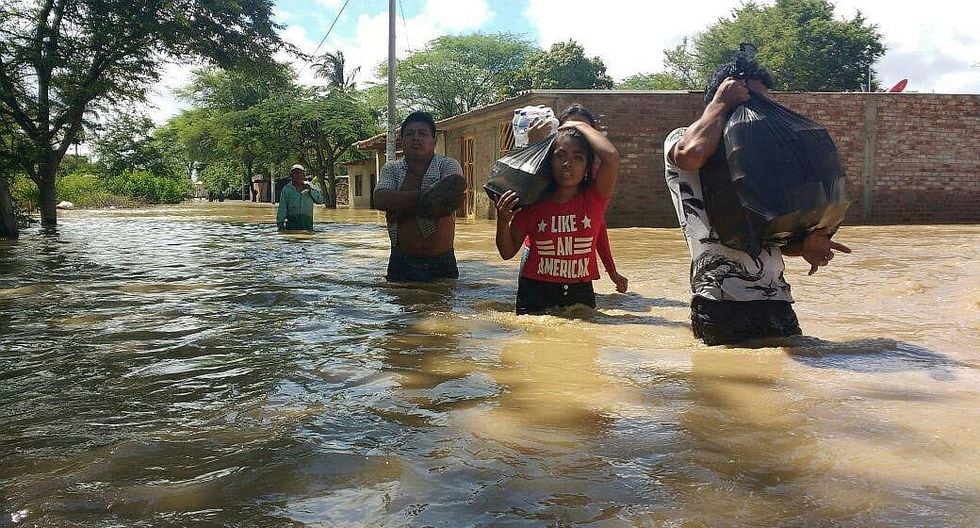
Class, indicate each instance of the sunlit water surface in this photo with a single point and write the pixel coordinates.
(188, 365)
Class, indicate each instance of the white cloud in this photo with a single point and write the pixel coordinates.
(162, 103)
(629, 37)
(367, 47)
(934, 46)
(332, 5)
(454, 15)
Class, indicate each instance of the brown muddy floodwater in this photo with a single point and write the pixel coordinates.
(188, 366)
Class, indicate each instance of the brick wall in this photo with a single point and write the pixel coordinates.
(910, 158)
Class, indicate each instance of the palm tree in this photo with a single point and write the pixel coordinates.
(331, 68)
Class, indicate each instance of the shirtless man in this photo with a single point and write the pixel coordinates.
(421, 246)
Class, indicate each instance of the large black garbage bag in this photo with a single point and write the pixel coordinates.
(523, 171)
(778, 177)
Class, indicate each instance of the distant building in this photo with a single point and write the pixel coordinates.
(362, 179)
(261, 188)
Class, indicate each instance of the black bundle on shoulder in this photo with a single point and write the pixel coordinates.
(778, 177)
(523, 171)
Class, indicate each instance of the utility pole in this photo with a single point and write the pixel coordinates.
(390, 144)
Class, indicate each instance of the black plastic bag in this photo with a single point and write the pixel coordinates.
(523, 171)
(778, 177)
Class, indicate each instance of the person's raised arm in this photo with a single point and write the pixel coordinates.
(701, 139)
(605, 180)
(509, 237)
(315, 195)
(389, 197)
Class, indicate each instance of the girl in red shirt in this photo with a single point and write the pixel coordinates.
(565, 225)
(539, 130)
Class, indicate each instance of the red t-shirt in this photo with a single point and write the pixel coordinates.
(563, 237)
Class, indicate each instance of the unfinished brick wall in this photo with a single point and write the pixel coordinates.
(910, 158)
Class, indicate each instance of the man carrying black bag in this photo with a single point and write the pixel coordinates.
(736, 296)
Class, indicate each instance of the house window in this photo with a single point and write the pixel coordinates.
(358, 185)
(505, 136)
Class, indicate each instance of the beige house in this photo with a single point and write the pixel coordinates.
(362, 178)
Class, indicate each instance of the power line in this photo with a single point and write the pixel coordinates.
(324, 39)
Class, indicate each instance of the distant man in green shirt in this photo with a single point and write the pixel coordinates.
(296, 202)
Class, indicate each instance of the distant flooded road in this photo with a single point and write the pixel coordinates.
(189, 366)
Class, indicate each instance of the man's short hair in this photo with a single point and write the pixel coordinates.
(419, 116)
(745, 70)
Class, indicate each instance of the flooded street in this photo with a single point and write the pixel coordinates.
(188, 365)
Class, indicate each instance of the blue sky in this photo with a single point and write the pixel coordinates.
(936, 47)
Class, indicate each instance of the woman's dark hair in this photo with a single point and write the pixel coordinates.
(419, 116)
(583, 142)
(578, 109)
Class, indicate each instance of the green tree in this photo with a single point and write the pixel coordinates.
(320, 129)
(228, 99)
(332, 67)
(654, 81)
(60, 59)
(564, 66)
(127, 142)
(168, 142)
(681, 63)
(221, 178)
(455, 74)
(193, 136)
(12, 144)
(235, 89)
(799, 41)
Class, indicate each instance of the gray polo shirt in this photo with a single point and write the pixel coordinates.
(393, 176)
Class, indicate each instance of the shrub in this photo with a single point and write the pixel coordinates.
(146, 186)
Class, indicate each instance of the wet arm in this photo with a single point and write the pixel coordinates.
(509, 237)
(396, 201)
(607, 154)
(389, 198)
(316, 196)
(817, 249)
(605, 253)
(701, 139)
